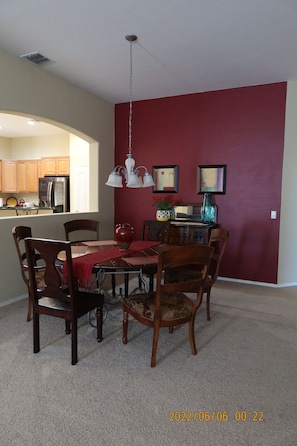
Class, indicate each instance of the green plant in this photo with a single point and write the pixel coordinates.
(165, 202)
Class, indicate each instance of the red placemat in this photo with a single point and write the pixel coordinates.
(148, 260)
(99, 242)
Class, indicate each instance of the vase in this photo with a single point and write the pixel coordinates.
(163, 215)
(124, 234)
(208, 210)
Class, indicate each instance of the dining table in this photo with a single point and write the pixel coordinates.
(105, 257)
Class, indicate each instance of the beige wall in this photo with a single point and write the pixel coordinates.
(31, 91)
(5, 148)
(48, 226)
(39, 146)
(287, 267)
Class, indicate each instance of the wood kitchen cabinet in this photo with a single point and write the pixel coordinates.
(31, 176)
(47, 166)
(62, 165)
(19, 176)
(9, 176)
(27, 176)
(58, 165)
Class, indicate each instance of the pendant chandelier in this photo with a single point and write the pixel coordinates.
(130, 172)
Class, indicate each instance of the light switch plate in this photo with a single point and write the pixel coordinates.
(273, 215)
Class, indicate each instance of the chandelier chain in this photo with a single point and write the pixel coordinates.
(129, 171)
(130, 104)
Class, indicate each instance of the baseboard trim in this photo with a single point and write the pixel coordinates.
(251, 282)
(14, 300)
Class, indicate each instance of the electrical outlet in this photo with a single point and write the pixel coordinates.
(273, 215)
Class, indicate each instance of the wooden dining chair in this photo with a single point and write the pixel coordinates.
(218, 240)
(84, 229)
(154, 231)
(169, 306)
(56, 298)
(19, 234)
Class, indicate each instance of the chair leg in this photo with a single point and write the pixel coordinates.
(30, 306)
(151, 283)
(36, 335)
(155, 344)
(208, 304)
(126, 282)
(74, 342)
(192, 335)
(67, 327)
(125, 327)
(113, 285)
(99, 315)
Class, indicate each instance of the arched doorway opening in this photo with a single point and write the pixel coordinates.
(21, 141)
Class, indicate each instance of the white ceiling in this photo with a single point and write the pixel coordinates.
(12, 126)
(183, 46)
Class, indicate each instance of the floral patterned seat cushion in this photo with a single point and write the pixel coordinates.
(172, 307)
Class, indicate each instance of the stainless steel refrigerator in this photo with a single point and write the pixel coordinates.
(54, 193)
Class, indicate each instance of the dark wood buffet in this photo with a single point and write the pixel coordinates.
(189, 233)
(185, 229)
(177, 232)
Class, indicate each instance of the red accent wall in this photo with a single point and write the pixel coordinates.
(242, 128)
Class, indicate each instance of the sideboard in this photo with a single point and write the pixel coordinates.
(177, 232)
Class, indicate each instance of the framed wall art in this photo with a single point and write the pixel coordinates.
(165, 178)
(211, 179)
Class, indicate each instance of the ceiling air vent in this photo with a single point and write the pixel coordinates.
(37, 58)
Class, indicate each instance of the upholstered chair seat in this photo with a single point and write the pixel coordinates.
(173, 307)
(170, 305)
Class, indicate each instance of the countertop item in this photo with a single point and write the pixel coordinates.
(3, 208)
(11, 201)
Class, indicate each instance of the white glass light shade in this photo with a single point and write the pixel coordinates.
(114, 179)
(148, 180)
(134, 180)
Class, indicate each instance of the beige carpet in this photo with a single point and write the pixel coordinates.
(246, 363)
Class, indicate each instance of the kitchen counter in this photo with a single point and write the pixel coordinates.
(7, 211)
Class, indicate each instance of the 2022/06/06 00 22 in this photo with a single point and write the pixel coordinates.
(221, 416)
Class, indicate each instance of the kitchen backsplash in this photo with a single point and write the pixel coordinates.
(28, 198)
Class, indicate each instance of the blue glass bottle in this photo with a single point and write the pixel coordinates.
(208, 210)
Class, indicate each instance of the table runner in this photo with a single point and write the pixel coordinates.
(83, 266)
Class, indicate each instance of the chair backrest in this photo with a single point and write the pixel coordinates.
(156, 231)
(19, 234)
(54, 286)
(82, 229)
(218, 240)
(196, 257)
